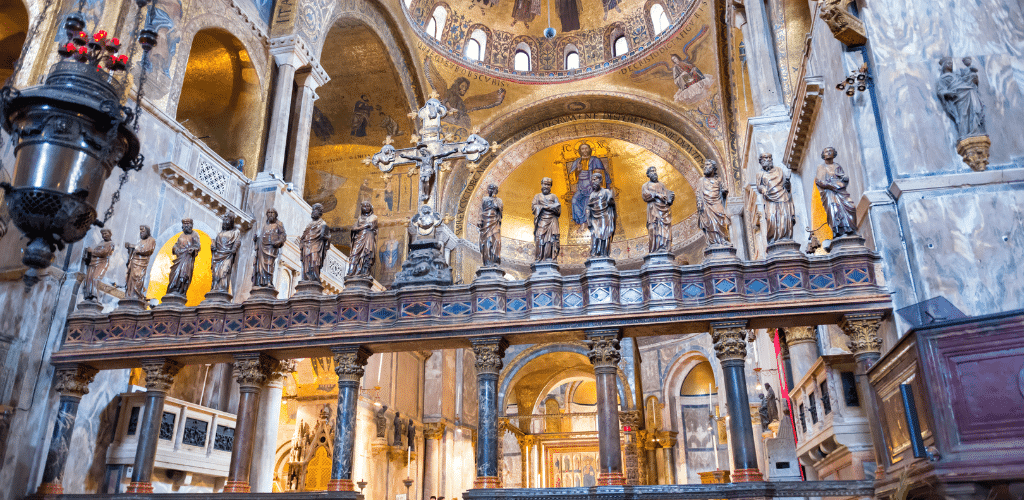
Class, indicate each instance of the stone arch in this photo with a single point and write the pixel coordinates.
(529, 42)
(488, 47)
(649, 22)
(611, 33)
(509, 375)
(680, 366)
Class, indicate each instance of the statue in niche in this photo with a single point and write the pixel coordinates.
(546, 210)
(185, 251)
(138, 261)
(777, 190)
(769, 409)
(96, 260)
(314, 243)
(399, 431)
(490, 227)
(961, 98)
(832, 181)
(410, 435)
(659, 201)
(381, 419)
(268, 246)
(600, 217)
(364, 242)
(225, 251)
(711, 197)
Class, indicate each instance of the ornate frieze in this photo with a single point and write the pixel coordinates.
(73, 381)
(489, 354)
(863, 332)
(730, 340)
(160, 373)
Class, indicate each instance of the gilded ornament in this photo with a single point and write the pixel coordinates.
(74, 381)
(433, 430)
(845, 27)
(801, 334)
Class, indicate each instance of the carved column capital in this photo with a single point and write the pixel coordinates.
(282, 369)
(252, 371)
(489, 354)
(863, 332)
(73, 381)
(433, 430)
(631, 418)
(349, 363)
(526, 441)
(604, 348)
(801, 335)
(666, 439)
(730, 338)
(160, 373)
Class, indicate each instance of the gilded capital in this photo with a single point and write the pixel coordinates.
(349, 363)
(433, 430)
(801, 335)
(666, 439)
(160, 374)
(631, 418)
(730, 340)
(253, 371)
(489, 354)
(863, 332)
(73, 381)
(526, 441)
(604, 350)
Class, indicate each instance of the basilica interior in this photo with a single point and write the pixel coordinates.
(755, 249)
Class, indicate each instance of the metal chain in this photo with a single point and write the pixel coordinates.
(115, 198)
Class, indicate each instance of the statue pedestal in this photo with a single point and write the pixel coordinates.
(309, 288)
(173, 300)
(600, 263)
(661, 259)
(848, 243)
(263, 293)
(490, 273)
(358, 284)
(784, 247)
(90, 306)
(425, 266)
(217, 297)
(135, 304)
(545, 268)
(719, 252)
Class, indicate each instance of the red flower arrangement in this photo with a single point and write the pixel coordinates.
(94, 50)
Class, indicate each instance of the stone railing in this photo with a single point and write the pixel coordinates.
(782, 489)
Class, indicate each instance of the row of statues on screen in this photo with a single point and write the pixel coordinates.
(313, 244)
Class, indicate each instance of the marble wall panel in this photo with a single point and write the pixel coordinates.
(94, 431)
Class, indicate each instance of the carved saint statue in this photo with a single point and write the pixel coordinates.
(364, 242)
(490, 227)
(600, 217)
(711, 196)
(546, 210)
(961, 98)
(769, 410)
(398, 430)
(381, 419)
(268, 246)
(832, 181)
(410, 434)
(96, 260)
(225, 251)
(774, 185)
(659, 201)
(185, 251)
(314, 243)
(138, 261)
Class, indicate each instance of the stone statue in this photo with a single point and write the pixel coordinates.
(490, 227)
(185, 251)
(832, 181)
(397, 431)
(774, 185)
(711, 197)
(96, 260)
(546, 210)
(769, 410)
(314, 243)
(961, 98)
(364, 242)
(410, 435)
(381, 420)
(659, 201)
(138, 261)
(225, 251)
(600, 217)
(268, 246)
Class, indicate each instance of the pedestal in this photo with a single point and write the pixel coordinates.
(719, 253)
(358, 284)
(848, 243)
(544, 269)
(600, 264)
(216, 297)
(131, 304)
(90, 306)
(309, 288)
(783, 247)
(263, 293)
(974, 151)
(173, 300)
(425, 266)
(652, 260)
(490, 273)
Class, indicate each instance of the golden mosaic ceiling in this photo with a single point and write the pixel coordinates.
(13, 27)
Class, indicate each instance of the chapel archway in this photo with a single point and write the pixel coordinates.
(13, 30)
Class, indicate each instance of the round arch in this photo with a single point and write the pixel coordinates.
(514, 370)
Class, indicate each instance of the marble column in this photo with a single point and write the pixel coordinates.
(349, 363)
(289, 55)
(433, 433)
(866, 345)
(307, 81)
(261, 478)
(489, 353)
(758, 37)
(803, 349)
(731, 347)
(666, 465)
(526, 444)
(604, 355)
(71, 383)
(251, 372)
(159, 379)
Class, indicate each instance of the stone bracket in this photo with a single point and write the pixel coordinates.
(183, 181)
(805, 111)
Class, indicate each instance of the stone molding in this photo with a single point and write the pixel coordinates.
(730, 339)
(489, 354)
(254, 370)
(349, 363)
(251, 20)
(291, 50)
(74, 381)
(805, 112)
(801, 335)
(160, 373)
(863, 332)
(199, 192)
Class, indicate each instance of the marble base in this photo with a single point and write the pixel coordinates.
(747, 476)
(425, 266)
(663, 259)
(545, 268)
(50, 489)
(217, 297)
(611, 479)
(90, 306)
(486, 482)
(263, 293)
(341, 485)
(600, 264)
(358, 284)
(309, 288)
(719, 252)
(784, 247)
(490, 273)
(236, 487)
(131, 304)
(173, 300)
(848, 243)
(143, 487)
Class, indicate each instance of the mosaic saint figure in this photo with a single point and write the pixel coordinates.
(659, 201)
(268, 247)
(777, 190)
(361, 116)
(138, 261)
(490, 227)
(600, 217)
(961, 98)
(546, 210)
(684, 72)
(832, 182)
(225, 251)
(580, 172)
(712, 217)
(314, 243)
(364, 242)
(524, 11)
(185, 250)
(97, 259)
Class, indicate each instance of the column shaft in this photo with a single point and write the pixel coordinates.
(731, 348)
(867, 347)
(432, 434)
(159, 379)
(71, 383)
(349, 363)
(261, 478)
(277, 137)
(604, 355)
(251, 372)
(489, 354)
(803, 349)
(303, 124)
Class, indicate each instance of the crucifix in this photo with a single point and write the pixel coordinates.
(425, 265)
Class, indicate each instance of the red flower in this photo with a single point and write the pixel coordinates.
(83, 50)
(123, 58)
(114, 41)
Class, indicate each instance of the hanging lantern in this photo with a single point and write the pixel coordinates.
(69, 134)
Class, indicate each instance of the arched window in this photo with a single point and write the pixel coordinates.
(659, 18)
(435, 27)
(408, 4)
(620, 47)
(476, 46)
(572, 60)
(521, 61)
